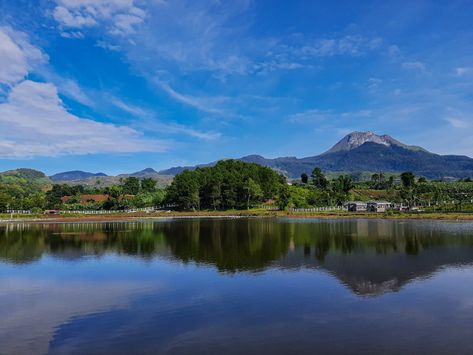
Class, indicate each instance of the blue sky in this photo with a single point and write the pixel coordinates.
(120, 85)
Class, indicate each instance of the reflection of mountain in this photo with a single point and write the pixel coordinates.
(369, 256)
(372, 257)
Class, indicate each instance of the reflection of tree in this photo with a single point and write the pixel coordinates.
(368, 256)
(231, 245)
(20, 248)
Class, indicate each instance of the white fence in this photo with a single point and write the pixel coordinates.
(131, 210)
(319, 209)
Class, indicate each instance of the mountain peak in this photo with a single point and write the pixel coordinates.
(74, 175)
(148, 171)
(356, 139)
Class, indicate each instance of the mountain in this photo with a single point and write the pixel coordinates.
(179, 169)
(29, 178)
(74, 175)
(148, 172)
(357, 139)
(367, 152)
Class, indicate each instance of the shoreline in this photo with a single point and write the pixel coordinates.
(123, 217)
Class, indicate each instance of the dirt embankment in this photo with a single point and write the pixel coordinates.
(233, 213)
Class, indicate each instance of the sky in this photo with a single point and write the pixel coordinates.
(120, 85)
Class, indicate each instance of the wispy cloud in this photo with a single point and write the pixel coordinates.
(176, 128)
(419, 66)
(129, 108)
(457, 122)
(320, 116)
(353, 45)
(206, 104)
(147, 118)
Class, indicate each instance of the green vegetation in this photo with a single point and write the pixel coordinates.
(233, 185)
(406, 189)
(230, 184)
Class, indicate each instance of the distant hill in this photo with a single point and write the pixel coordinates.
(74, 175)
(34, 179)
(78, 177)
(367, 152)
(148, 172)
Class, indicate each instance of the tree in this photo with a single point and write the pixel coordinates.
(131, 185)
(408, 179)
(341, 188)
(422, 180)
(184, 190)
(283, 197)
(148, 185)
(114, 191)
(304, 178)
(318, 179)
(254, 192)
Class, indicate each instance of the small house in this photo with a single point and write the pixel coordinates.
(356, 206)
(378, 206)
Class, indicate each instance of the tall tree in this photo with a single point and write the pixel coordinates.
(318, 179)
(148, 185)
(131, 185)
(408, 179)
(304, 178)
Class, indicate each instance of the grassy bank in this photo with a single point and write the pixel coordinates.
(234, 213)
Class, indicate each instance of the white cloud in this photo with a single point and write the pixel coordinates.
(457, 122)
(17, 56)
(463, 71)
(109, 46)
(413, 66)
(34, 122)
(120, 16)
(354, 45)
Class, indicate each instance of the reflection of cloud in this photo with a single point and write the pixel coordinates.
(32, 309)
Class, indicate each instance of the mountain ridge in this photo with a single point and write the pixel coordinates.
(365, 152)
(74, 175)
(356, 152)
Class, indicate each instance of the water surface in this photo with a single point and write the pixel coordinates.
(238, 286)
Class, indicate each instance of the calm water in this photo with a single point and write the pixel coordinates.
(237, 286)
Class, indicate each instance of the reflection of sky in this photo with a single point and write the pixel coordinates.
(122, 304)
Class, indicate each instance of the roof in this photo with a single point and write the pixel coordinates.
(87, 198)
(95, 198)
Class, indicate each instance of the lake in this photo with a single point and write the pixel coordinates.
(237, 286)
